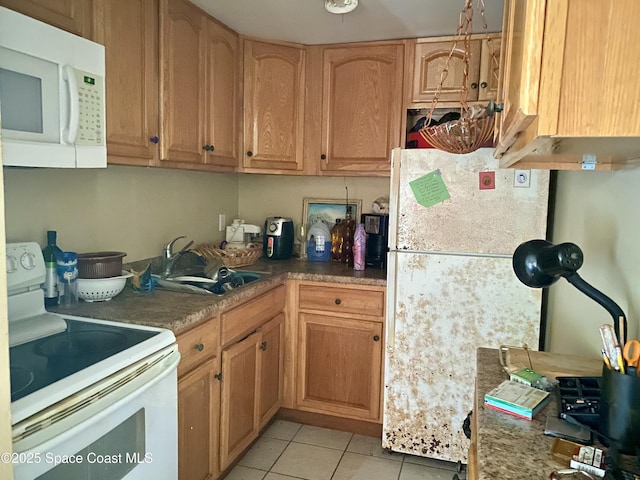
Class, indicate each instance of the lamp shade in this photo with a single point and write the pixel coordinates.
(539, 263)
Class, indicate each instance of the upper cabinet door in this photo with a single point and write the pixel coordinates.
(222, 95)
(273, 106)
(489, 68)
(71, 15)
(129, 31)
(182, 72)
(429, 62)
(361, 107)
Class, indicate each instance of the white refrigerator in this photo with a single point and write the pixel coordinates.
(451, 288)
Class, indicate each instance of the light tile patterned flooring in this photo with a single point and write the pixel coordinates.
(288, 451)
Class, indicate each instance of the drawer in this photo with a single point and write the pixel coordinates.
(359, 301)
(197, 344)
(242, 320)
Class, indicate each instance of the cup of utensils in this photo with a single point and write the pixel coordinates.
(620, 398)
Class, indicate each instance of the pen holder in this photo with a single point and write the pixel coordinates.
(620, 410)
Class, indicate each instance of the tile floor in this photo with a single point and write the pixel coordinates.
(288, 451)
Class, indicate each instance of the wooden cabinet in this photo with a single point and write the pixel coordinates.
(198, 411)
(74, 16)
(252, 370)
(340, 350)
(223, 94)
(199, 402)
(239, 402)
(570, 93)
(361, 107)
(274, 79)
(271, 369)
(129, 32)
(199, 88)
(489, 68)
(430, 59)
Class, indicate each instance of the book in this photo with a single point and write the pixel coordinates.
(527, 376)
(517, 399)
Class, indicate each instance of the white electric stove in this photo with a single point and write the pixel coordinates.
(88, 388)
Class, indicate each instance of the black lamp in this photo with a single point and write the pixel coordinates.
(539, 263)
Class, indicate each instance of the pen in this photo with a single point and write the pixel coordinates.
(606, 359)
(619, 359)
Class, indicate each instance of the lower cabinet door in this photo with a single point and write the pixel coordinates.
(240, 386)
(198, 413)
(271, 365)
(339, 366)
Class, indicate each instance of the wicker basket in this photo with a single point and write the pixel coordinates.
(237, 257)
(460, 136)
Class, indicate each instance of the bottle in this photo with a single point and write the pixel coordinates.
(319, 243)
(67, 268)
(336, 241)
(50, 254)
(359, 244)
(348, 229)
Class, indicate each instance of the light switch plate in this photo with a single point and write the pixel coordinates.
(222, 222)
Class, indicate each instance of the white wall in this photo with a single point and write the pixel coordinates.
(599, 212)
(263, 196)
(130, 209)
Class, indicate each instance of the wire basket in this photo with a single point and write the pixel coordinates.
(232, 258)
(464, 135)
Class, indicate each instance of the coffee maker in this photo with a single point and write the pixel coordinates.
(376, 225)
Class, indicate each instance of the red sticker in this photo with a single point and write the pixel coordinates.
(487, 180)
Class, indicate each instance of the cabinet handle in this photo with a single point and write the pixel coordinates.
(154, 139)
(474, 85)
(338, 301)
(484, 84)
(263, 346)
(323, 157)
(218, 376)
(208, 148)
(199, 346)
(249, 153)
(376, 338)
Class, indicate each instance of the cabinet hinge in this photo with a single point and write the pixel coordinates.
(589, 162)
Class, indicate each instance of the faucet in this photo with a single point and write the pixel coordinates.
(169, 258)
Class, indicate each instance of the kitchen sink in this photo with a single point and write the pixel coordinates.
(205, 286)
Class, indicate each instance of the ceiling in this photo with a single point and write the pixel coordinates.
(306, 21)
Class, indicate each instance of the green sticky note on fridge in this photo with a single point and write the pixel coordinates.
(430, 189)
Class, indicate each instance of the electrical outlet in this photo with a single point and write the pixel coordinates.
(222, 222)
(522, 178)
(487, 180)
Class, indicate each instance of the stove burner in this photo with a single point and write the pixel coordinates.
(21, 378)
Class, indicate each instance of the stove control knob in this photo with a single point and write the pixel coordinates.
(12, 264)
(28, 260)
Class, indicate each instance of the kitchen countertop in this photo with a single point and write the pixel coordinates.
(510, 448)
(179, 311)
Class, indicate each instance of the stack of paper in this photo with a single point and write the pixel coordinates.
(516, 399)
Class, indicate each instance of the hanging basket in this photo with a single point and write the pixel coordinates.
(474, 128)
(464, 135)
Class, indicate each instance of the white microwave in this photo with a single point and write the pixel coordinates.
(52, 96)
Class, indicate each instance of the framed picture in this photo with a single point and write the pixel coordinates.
(327, 210)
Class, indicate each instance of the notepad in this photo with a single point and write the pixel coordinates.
(516, 399)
